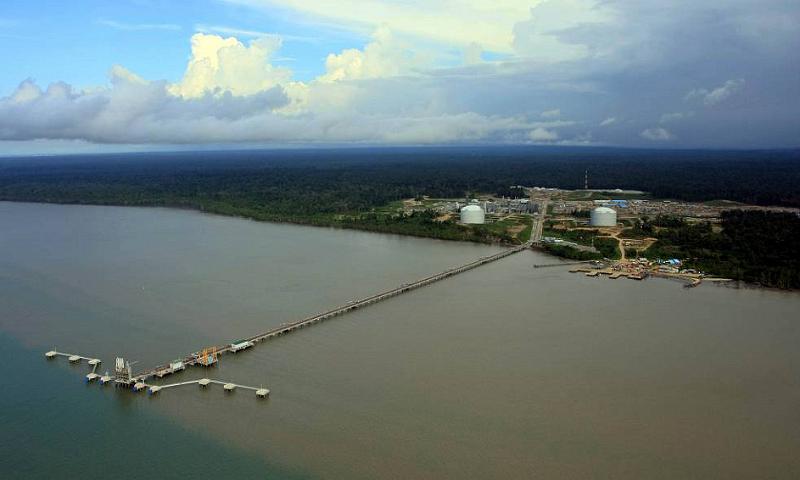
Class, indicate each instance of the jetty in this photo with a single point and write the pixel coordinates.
(208, 356)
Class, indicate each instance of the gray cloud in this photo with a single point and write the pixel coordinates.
(718, 94)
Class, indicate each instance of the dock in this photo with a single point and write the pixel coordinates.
(74, 358)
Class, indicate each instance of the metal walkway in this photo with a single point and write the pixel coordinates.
(261, 392)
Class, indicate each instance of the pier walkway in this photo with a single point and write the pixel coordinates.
(204, 382)
(74, 358)
(195, 358)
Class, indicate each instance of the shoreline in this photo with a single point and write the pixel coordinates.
(199, 209)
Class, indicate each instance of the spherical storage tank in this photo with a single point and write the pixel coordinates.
(472, 214)
(603, 217)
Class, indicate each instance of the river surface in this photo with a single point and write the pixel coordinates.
(505, 371)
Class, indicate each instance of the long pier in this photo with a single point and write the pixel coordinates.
(196, 357)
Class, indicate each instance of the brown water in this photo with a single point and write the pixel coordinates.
(502, 372)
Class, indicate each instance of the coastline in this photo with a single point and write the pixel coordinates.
(316, 222)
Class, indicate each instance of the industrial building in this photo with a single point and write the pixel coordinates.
(603, 217)
(473, 214)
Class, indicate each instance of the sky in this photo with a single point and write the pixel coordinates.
(92, 75)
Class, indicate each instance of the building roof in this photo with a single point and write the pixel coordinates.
(604, 210)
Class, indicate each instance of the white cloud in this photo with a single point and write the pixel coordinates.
(239, 32)
(26, 91)
(220, 65)
(608, 121)
(118, 73)
(473, 54)
(657, 134)
(384, 56)
(716, 95)
(488, 23)
(555, 113)
(543, 135)
(528, 27)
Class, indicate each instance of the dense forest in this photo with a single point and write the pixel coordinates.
(753, 246)
(304, 183)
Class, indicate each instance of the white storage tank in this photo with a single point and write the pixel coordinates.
(473, 214)
(603, 217)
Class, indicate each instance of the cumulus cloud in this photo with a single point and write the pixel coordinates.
(384, 56)
(135, 111)
(26, 91)
(657, 134)
(555, 113)
(220, 65)
(716, 95)
(608, 121)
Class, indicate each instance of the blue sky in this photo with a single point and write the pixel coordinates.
(142, 74)
(78, 41)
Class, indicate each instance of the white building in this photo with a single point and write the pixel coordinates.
(603, 217)
(473, 214)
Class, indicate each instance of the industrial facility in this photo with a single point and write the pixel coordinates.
(603, 217)
(473, 214)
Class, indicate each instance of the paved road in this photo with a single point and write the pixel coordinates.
(538, 223)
